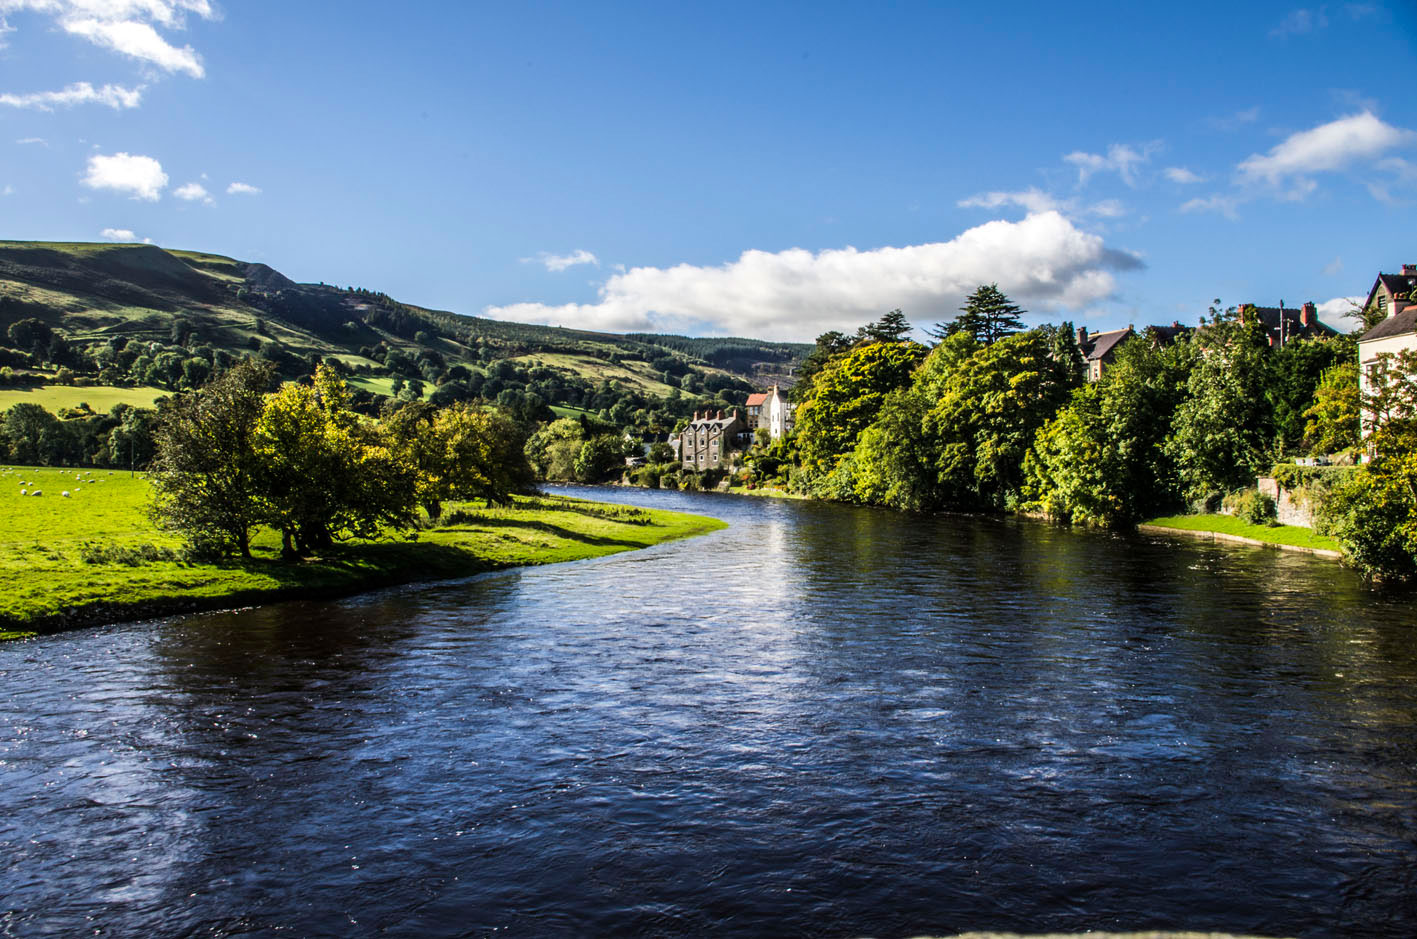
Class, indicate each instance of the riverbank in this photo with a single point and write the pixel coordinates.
(94, 557)
(1231, 529)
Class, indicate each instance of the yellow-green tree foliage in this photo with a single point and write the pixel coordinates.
(846, 398)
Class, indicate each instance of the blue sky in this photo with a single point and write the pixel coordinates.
(760, 169)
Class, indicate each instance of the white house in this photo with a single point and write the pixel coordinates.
(1395, 295)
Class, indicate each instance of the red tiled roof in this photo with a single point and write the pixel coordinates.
(757, 399)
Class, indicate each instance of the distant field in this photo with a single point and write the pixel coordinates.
(562, 410)
(49, 564)
(381, 385)
(599, 370)
(101, 398)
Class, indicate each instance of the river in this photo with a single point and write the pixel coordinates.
(820, 721)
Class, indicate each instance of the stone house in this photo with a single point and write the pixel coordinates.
(710, 438)
(1099, 349)
(1394, 295)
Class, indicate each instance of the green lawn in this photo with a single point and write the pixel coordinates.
(1291, 535)
(382, 385)
(49, 584)
(101, 398)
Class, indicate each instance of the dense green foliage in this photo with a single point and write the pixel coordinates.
(301, 461)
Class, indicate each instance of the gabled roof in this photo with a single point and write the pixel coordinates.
(1103, 343)
(1397, 324)
(757, 399)
(1395, 284)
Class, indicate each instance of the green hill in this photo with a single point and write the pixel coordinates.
(125, 316)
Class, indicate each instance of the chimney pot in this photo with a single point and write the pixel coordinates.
(1409, 269)
(1082, 335)
(1308, 313)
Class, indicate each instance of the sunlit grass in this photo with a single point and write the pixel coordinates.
(1291, 535)
(44, 542)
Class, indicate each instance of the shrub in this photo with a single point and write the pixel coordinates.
(1251, 506)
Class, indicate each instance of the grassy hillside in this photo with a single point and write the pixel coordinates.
(94, 293)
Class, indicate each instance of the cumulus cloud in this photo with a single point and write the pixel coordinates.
(140, 176)
(128, 27)
(114, 96)
(122, 234)
(1333, 146)
(1043, 262)
(559, 262)
(1338, 309)
(1179, 174)
(242, 189)
(192, 192)
(1121, 159)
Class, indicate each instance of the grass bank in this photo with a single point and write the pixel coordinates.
(1232, 528)
(94, 557)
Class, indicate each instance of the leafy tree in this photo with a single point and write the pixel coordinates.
(1101, 459)
(206, 479)
(599, 458)
(1221, 434)
(1294, 374)
(990, 407)
(892, 327)
(552, 450)
(461, 452)
(829, 345)
(325, 474)
(987, 315)
(1334, 418)
(32, 335)
(847, 397)
(26, 426)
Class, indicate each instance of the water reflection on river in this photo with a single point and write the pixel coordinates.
(821, 721)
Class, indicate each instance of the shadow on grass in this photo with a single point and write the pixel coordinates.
(549, 529)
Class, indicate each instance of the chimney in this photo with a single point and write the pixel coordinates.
(1409, 270)
(720, 415)
(1308, 314)
(1176, 324)
(1082, 335)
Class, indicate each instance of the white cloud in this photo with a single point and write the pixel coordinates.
(115, 96)
(1121, 159)
(1225, 205)
(1299, 22)
(192, 192)
(139, 41)
(122, 234)
(1043, 262)
(242, 189)
(1328, 147)
(1340, 308)
(142, 176)
(127, 27)
(8, 190)
(1237, 120)
(559, 262)
(1179, 174)
(1032, 199)
(26, 141)
(1334, 267)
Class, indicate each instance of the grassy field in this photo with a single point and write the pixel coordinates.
(1291, 535)
(94, 557)
(637, 375)
(101, 398)
(381, 385)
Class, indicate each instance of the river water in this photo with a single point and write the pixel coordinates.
(820, 721)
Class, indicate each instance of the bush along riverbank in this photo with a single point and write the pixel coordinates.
(94, 556)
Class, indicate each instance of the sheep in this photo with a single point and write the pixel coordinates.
(24, 492)
(37, 492)
(65, 494)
